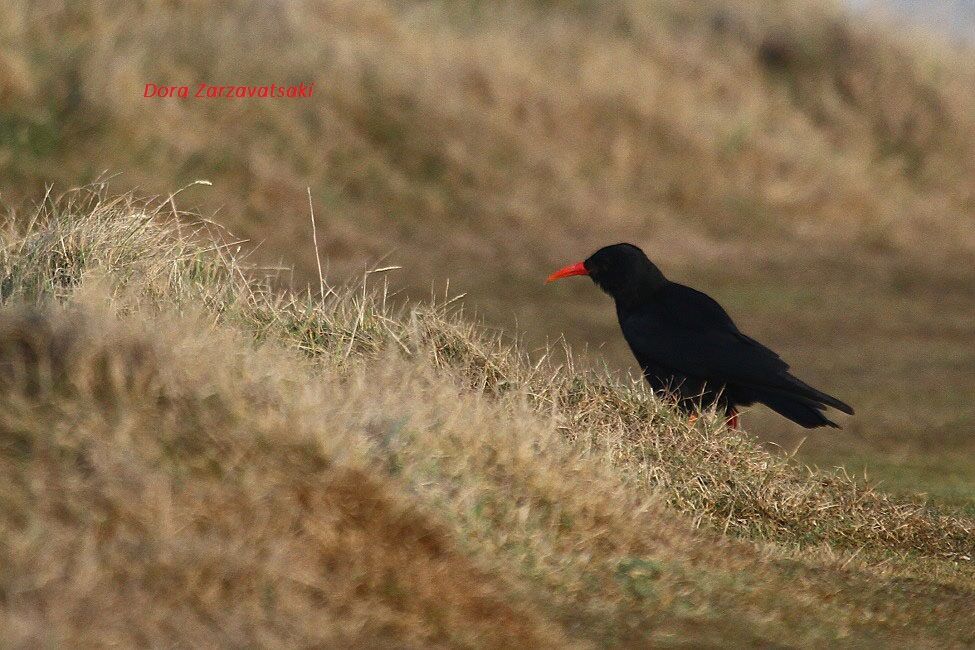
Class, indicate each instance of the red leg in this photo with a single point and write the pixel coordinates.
(733, 418)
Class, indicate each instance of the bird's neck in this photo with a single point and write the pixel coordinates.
(636, 296)
(639, 289)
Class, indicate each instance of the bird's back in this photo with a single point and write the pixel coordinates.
(689, 347)
(661, 328)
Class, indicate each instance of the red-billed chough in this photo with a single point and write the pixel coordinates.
(689, 348)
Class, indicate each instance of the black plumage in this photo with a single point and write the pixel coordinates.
(689, 348)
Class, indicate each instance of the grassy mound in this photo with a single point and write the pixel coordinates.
(192, 455)
(162, 491)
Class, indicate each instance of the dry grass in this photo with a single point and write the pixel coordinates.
(160, 492)
(195, 457)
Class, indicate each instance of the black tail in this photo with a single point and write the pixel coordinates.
(804, 390)
(801, 410)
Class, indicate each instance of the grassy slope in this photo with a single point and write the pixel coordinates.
(811, 171)
(191, 456)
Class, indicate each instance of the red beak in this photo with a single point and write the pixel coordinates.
(579, 268)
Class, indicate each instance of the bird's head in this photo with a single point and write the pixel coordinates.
(621, 270)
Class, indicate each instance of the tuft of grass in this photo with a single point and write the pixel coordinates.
(197, 456)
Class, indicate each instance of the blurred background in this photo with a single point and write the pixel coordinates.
(809, 164)
(951, 18)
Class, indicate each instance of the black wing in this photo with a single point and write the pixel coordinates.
(690, 333)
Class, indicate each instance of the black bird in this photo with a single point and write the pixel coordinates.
(689, 348)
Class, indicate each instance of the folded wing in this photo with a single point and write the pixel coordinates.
(691, 334)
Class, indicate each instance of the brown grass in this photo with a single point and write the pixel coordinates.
(196, 458)
(177, 496)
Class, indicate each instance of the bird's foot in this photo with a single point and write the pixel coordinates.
(733, 419)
